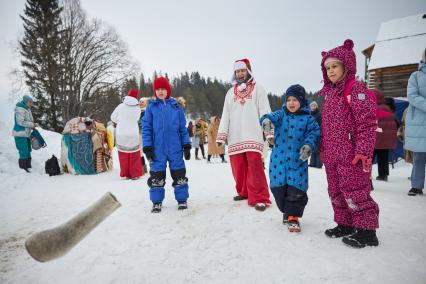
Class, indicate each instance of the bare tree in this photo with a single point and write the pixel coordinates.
(95, 61)
(71, 64)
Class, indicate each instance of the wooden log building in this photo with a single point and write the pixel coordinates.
(396, 53)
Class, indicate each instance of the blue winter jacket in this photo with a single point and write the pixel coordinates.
(164, 129)
(292, 131)
(415, 121)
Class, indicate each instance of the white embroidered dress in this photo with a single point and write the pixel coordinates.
(239, 125)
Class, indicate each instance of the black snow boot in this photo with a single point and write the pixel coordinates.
(339, 231)
(182, 205)
(285, 219)
(23, 164)
(415, 191)
(239, 198)
(361, 239)
(156, 208)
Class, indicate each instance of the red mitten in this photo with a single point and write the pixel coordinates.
(366, 162)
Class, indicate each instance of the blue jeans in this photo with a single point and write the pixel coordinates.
(418, 172)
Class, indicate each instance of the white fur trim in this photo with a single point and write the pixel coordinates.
(239, 65)
(331, 59)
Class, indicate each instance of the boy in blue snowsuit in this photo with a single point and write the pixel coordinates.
(165, 139)
(296, 135)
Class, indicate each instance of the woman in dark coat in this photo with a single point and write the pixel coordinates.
(386, 137)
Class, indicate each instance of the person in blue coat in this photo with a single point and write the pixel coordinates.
(166, 140)
(415, 126)
(296, 135)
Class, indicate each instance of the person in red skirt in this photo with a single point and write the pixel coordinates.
(126, 117)
(244, 104)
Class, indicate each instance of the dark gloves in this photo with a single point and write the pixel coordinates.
(149, 153)
(187, 151)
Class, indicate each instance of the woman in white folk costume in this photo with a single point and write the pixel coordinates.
(126, 116)
(244, 104)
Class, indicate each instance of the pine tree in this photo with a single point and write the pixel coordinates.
(129, 84)
(41, 52)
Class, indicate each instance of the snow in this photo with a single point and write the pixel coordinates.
(399, 42)
(216, 240)
(402, 27)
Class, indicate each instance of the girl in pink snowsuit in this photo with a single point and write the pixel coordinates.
(346, 147)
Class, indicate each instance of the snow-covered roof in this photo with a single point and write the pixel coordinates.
(399, 42)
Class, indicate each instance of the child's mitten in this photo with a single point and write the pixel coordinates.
(268, 128)
(366, 162)
(305, 152)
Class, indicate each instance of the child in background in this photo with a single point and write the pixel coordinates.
(347, 143)
(295, 137)
(165, 140)
(143, 103)
(198, 132)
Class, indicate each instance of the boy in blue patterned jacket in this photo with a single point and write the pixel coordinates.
(296, 135)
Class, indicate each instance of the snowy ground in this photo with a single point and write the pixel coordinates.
(215, 241)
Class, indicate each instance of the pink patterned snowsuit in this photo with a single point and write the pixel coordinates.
(348, 128)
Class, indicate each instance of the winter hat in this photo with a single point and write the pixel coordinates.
(313, 103)
(298, 92)
(242, 64)
(162, 83)
(344, 54)
(27, 99)
(133, 93)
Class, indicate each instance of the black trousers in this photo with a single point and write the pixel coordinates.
(382, 161)
(290, 200)
(315, 160)
(202, 150)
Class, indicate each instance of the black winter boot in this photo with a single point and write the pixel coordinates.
(285, 219)
(361, 239)
(23, 164)
(340, 231)
(415, 191)
(182, 205)
(29, 163)
(156, 208)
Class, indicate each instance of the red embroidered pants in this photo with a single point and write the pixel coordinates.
(250, 178)
(130, 164)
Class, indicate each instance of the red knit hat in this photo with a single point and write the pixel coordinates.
(162, 83)
(242, 64)
(133, 93)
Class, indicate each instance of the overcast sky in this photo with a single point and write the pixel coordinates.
(283, 39)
